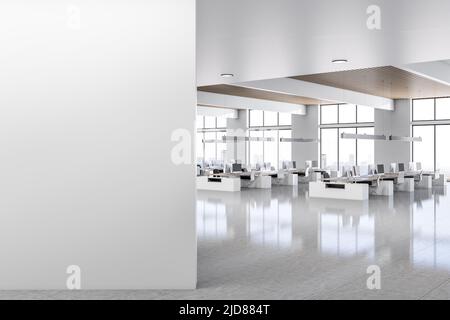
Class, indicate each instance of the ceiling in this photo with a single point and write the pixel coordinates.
(266, 39)
(388, 82)
(259, 94)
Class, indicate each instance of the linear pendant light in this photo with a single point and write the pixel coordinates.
(363, 136)
(236, 139)
(379, 137)
(405, 139)
(301, 140)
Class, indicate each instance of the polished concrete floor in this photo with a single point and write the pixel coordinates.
(280, 244)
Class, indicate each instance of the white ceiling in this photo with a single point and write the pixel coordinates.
(264, 39)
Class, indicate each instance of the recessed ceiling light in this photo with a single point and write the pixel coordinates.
(227, 75)
(339, 61)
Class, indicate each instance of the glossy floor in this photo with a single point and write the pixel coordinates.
(280, 244)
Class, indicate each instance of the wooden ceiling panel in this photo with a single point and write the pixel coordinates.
(259, 94)
(388, 82)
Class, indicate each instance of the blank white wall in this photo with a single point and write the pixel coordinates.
(86, 117)
(305, 127)
(395, 123)
(237, 128)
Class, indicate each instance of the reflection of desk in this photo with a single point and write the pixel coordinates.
(339, 190)
(218, 183)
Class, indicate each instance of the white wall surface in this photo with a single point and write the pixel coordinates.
(396, 123)
(305, 127)
(237, 128)
(86, 116)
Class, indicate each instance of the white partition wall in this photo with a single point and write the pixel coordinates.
(396, 123)
(91, 94)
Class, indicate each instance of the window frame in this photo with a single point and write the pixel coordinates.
(339, 126)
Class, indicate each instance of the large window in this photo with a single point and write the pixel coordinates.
(274, 151)
(431, 122)
(256, 148)
(424, 151)
(273, 125)
(345, 114)
(337, 153)
(258, 118)
(210, 131)
(423, 109)
(442, 149)
(329, 148)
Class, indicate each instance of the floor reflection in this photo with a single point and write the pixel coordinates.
(411, 227)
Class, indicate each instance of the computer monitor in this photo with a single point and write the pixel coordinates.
(315, 163)
(236, 167)
(401, 167)
(356, 171)
(393, 167)
(418, 166)
(380, 168)
(364, 170)
(294, 164)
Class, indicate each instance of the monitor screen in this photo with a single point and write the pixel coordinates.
(237, 167)
(294, 165)
(380, 168)
(401, 167)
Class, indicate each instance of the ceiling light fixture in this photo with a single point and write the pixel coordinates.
(300, 140)
(227, 75)
(339, 61)
(362, 136)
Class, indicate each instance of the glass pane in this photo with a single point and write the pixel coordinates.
(210, 147)
(221, 147)
(199, 122)
(329, 141)
(347, 113)
(256, 118)
(199, 146)
(366, 148)
(423, 109)
(256, 148)
(285, 148)
(271, 148)
(443, 109)
(270, 118)
(329, 114)
(210, 122)
(442, 149)
(347, 149)
(366, 114)
(221, 122)
(285, 119)
(424, 151)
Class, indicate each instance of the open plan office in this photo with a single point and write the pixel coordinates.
(225, 149)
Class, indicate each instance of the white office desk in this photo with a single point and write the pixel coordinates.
(285, 178)
(421, 180)
(213, 183)
(339, 190)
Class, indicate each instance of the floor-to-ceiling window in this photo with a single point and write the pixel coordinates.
(269, 125)
(335, 152)
(431, 122)
(209, 144)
